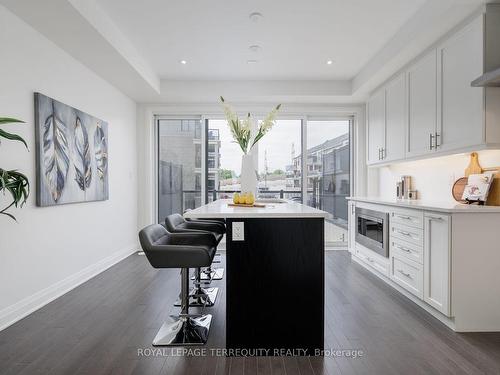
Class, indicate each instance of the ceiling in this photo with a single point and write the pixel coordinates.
(296, 37)
(137, 45)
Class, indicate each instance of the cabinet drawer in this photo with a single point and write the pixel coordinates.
(407, 250)
(408, 234)
(412, 218)
(375, 261)
(408, 275)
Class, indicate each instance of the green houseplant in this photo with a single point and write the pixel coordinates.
(12, 181)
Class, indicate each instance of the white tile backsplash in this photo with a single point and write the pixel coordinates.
(433, 178)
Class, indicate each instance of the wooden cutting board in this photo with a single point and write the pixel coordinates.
(494, 194)
(474, 167)
(458, 189)
(246, 205)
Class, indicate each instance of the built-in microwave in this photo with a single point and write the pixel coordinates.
(372, 230)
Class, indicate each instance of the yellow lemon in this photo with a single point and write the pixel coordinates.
(236, 198)
(250, 198)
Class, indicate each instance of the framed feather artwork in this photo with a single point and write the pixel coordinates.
(71, 154)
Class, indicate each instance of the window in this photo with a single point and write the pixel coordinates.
(187, 166)
(279, 170)
(328, 177)
(179, 166)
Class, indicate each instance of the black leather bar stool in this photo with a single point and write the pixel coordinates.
(212, 220)
(180, 250)
(176, 223)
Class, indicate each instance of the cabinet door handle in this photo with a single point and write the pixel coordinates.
(436, 136)
(405, 274)
(435, 218)
(431, 143)
(379, 153)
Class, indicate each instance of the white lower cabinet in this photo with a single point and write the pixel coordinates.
(407, 274)
(437, 249)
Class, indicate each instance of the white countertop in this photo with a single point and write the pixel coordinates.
(220, 209)
(448, 207)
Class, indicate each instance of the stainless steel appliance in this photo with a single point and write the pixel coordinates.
(372, 230)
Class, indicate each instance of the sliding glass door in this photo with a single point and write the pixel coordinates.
(328, 174)
(179, 165)
(199, 162)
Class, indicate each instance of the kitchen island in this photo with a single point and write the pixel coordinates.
(275, 276)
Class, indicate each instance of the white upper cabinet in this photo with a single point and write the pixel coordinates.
(376, 127)
(387, 122)
(396, 119)
(422, 108)
(440, 112)
(461, 121)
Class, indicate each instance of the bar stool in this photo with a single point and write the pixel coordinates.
(180, 250)
(211, 220)
(176, 223)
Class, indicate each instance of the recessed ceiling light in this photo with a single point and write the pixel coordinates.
(255, 48)
(255, 16)
(329, 62)
(252, 61)
(183, 62)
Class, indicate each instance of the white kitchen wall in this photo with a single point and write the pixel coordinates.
(50, 250)
(433, 178)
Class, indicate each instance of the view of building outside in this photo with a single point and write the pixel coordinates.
(179, 166)
(279, 166)
(277, 152)
(328, 174)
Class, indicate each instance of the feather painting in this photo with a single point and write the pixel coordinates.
(82, 162)
(101, 151)
(55, 154)
(71, 154)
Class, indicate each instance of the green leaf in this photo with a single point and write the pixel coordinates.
(9, 120)
(12, 137)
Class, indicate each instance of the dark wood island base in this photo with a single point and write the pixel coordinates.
(280, 263)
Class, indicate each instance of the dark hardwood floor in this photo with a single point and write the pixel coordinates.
(100, 327)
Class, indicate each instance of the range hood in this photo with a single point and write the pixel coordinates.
(491, 51)
(488, 79)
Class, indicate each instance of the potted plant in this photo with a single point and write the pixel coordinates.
(12, 181)
(242, 132)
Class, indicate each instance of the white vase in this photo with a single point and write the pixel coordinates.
(248, 176)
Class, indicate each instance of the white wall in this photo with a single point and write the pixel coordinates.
(433, 178)
(52, 249)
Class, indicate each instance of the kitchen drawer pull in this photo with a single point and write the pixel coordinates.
(407, 234)
(403, 248)
(404, 217)
(370, 259)
(405, 274)
(437, 218)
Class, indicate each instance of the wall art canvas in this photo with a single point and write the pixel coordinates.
(72, 154)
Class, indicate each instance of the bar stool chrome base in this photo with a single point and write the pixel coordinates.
(213, 274)
(184, 330)
(202, 297)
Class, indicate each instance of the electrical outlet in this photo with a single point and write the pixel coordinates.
(238, 231)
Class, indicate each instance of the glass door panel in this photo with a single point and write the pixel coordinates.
(179, 166)
(328, 174)
(280, 172)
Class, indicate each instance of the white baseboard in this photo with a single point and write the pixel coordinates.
(26, 306)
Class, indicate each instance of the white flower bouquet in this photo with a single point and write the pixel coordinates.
(242, 129)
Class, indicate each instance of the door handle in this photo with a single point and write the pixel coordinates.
(436, 136)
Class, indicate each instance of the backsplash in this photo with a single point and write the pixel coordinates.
(433, 178)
